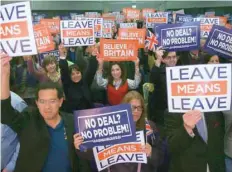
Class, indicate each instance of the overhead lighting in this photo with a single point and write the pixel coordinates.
(133, 6)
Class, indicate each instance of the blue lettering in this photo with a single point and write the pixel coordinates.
(171, 72)
(173, 105)
(221, 102)
(182, 74)
(9, 15)
(198, 104)
(139, 157)
(210, 75)
(22, 11)
(130, 158)
(110, 160)
(184, 103)
(120, 158)
(102, 166)
(211, 105)
(196, 73)
(221, 72)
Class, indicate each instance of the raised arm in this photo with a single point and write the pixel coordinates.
(30, 66)
(9, 116)
(133, 84)
(100, 80)
(64, 71)
(91, 70)
(180, 130)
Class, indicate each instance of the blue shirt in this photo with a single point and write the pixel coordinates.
(9, 140)
(58, 155)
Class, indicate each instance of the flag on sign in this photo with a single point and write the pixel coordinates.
(151, 42)
(149, 130)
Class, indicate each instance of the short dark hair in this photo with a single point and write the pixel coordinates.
(49, 85)
(74, 67)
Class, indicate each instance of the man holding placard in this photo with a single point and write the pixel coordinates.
(195, 138)
(45, 134)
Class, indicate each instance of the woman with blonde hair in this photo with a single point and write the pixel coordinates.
(153, 144)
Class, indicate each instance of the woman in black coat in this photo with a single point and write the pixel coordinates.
(76, 83)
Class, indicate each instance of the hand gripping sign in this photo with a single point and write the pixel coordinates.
(130, 152)
(203, 87)
(105, 126)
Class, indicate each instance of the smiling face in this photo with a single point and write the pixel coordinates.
(76, 76)
(51, 67)
(171, 59)
(116, 71)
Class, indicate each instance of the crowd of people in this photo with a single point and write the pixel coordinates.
(38, 100)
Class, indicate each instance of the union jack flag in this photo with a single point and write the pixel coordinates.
(149, 130)
(151, 42)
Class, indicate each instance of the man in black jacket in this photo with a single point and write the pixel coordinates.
(190, 151)
(45, 134)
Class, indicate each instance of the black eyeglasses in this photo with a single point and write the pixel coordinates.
(139, 108)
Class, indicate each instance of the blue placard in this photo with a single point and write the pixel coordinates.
(105, 126)
(179, 37)
(54, 53)
(219, 41)
(183, 18)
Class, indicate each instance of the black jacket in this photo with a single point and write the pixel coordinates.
(158, 99)
(191, 154)
(34, 138)
(77, 95)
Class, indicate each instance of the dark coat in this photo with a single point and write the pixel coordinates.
(34, 138)
(159, 95)
(77, 95)
(191, 154)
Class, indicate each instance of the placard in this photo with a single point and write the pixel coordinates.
(220, 42)
(16, 31)
(119, 50)
(104, 126)
(77, 32)
(206, 25)
(203, 87)
(133, 34)
(43, 38)
(156, 18)
(105, 156)
(179, 37)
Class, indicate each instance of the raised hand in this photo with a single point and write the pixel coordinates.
(62, 51)
(78, 140)
(136, 62)
(159, 52)
(5, 75)
(190, 119)
(5, 65)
